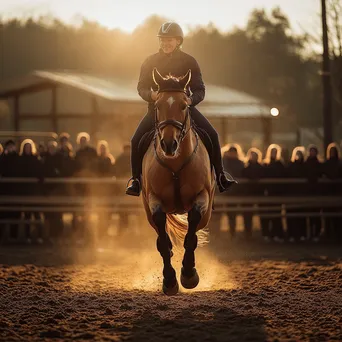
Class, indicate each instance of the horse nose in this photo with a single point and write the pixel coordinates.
(169, 147)
(163, 145)
(174, 146)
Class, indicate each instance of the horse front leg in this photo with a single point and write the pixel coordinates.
(189, 275)
(164, 246)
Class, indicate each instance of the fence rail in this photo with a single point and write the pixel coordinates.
(265, 196)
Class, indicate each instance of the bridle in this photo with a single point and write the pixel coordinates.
(183, 132)
(181, 126)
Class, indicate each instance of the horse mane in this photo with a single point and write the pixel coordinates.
(170, 82)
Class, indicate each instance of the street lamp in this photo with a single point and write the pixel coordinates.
(274, 111)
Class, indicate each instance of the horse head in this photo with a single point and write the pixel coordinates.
(172, 111)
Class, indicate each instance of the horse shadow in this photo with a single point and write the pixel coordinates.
(200, 323)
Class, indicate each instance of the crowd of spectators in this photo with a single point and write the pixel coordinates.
(58, 159)
(279, 163)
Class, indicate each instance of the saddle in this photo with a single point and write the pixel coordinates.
(148, 137)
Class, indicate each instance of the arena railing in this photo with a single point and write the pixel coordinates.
(265, 197)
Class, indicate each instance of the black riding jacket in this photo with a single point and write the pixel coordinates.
(177, 64)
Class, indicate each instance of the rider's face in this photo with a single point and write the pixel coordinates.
(168, 44)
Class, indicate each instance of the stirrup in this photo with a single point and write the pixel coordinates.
(230, 177)
(134, 179)
(131, 179)
(130, 189)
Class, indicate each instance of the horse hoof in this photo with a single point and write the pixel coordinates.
(171, 290)
(189, 282)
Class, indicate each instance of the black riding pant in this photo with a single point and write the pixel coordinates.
(147, 124)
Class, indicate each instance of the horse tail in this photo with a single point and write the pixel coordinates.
(177, 227)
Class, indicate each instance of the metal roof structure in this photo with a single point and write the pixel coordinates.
(219, 101)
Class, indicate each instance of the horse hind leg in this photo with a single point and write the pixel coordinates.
(164, 246)
(189, 275)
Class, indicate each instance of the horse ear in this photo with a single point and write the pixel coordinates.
(157, 78)
(185, 80)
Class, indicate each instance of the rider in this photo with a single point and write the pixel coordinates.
(172, 60)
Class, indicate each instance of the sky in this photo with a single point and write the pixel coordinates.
(127, 14)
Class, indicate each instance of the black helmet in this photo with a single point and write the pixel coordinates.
(171, 29)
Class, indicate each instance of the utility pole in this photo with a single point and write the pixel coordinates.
(2, 47)
(326, 79)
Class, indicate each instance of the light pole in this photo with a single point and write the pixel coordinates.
(326, 80)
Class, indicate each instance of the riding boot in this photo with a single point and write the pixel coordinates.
(135, 188)
(145, 125)
(223, 179)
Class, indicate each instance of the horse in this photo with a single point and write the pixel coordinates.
(178, 182)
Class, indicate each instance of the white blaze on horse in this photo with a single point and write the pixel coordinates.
(177, 178)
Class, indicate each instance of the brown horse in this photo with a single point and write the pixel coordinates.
(177, 181)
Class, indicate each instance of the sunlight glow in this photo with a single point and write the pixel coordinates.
(142, 271)
(127, 15)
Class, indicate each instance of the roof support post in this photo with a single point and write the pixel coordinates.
(94, 119)
(16, 112)
(54, 121)
(224, 131)
(267, 131)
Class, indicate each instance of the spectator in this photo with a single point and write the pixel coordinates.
(273, 168)
(314, 170)
(9, 168)
(53, 161)
(86, 156)
(85, 166)
(53, 168)
(332, 169)
(313, 165)
(31, 167)
(105, 160)
(122, 163)
(332, 166)
(63, 148)
(9, 160)
(296, 226)
(296, 168)
(253, 171)
(104, 169)
(68, 167)
(285, 156)
(41, 151)
(273, 164)
(233, 160)
(253, 168)
(233, 164)
(122, 170)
